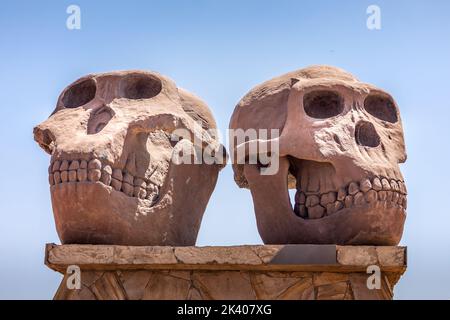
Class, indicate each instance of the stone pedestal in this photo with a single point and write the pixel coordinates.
(297, 272)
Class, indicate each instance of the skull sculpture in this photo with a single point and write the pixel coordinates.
(112, 178)
(340, 146)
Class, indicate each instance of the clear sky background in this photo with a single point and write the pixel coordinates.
(220, 50)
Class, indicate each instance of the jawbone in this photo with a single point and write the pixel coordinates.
(94, 213)
(376, 223)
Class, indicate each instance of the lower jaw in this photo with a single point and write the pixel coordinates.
(374, 223)
(368, 224)
(93, 213)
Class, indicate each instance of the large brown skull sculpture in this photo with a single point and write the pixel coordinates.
(340, 145)
(112, 178)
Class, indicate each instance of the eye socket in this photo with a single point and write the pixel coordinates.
(381, 107)
(140, 87)
(79, 94)
(323, 104)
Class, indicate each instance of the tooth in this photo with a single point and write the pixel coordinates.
(300, 197)
(136, 191)
(64, 176)
(117, 174)
(51, 179)
(302, 211)
(365, 185)
(338, 205)
(74, 165)
(371, 196)
(50, 168)
(57, 177)
(377, 186)
(297, 209)
(82, 175)
(348, 201)
(394, 185)
(312, 200)
(108, 169)
(401, 187)
(327, 198)
(390, 196)
(56, 166)
(353, 188)
(316, 212)
(116, 184)
(359, 198)
(105, 178)
(94, 175)
(64, 165)
(382, 195)
(128, 178)
(127, 189)
(395, 196)
(83, 164)
(334, 207)
(131, 164)
(405, 202)
(400, 199)
(341, 194)
(72, 175)
(331, 209)
(95, 164)
(106, 175)
(386, 185)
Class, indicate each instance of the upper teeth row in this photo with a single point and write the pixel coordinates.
(65, 171)
(356, 193)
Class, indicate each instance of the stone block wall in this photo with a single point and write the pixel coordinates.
(293, 272)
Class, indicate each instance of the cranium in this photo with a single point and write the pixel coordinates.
(340, 146)
(112, 178)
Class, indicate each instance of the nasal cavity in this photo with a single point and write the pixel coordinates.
(99, 119)
(366, 135)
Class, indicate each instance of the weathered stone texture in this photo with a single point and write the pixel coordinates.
(113, 175)
(244, 272)
(339, 145)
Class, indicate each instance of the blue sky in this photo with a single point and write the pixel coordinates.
(220, 50)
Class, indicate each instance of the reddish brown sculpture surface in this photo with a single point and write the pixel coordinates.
(340, 146)
(111, 176)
